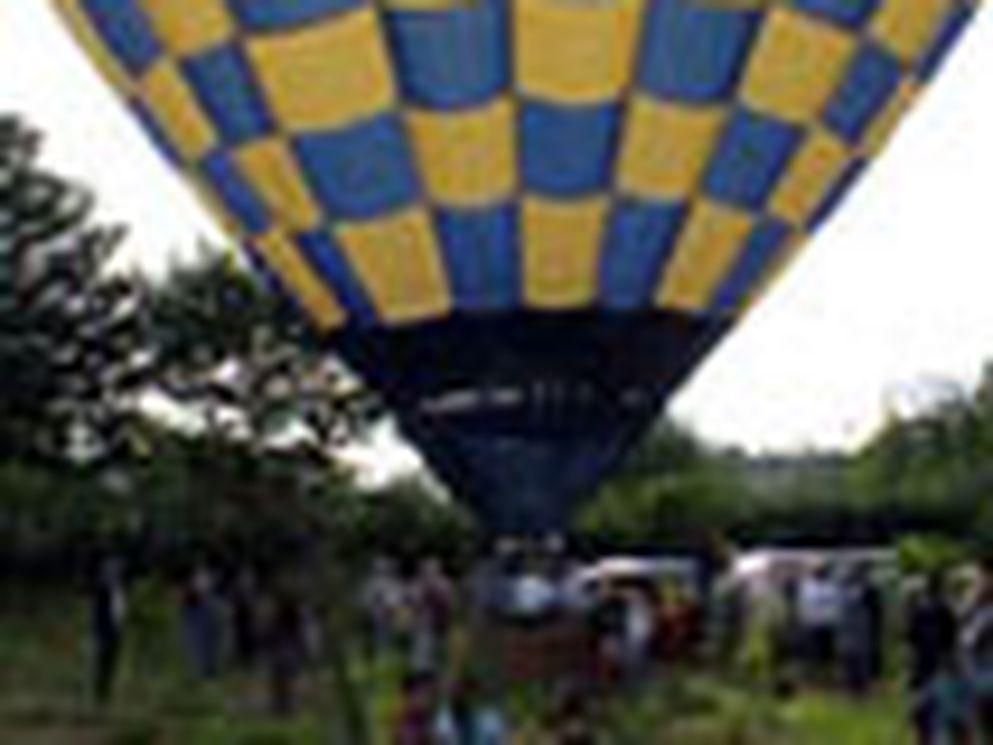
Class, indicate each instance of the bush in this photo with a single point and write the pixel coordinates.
(930, 554)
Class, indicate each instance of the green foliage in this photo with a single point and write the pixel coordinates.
(47, 517)
(930, 474)
(246, 365)
(929, 554)
(673, 492)
(68, 330)
(406, 520)
(933, 472)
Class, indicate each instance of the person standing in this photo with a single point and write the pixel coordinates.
(639, 634)
(433, 604)
(108, 611)
(380, 600)
(763, 653)
(932, 631)
(607, 622)
(876, 608)
(286, 646)
(855, 633)
(535, 597)
(201, 625)
(244, 621)
(819, 612)
(977, 649)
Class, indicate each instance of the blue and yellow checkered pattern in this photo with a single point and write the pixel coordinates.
(400, 161)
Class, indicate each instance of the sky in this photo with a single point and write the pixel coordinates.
(893, 296)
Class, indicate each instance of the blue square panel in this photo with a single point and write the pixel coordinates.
(568, 151)
(693, 52)
(482, 256)
(360, 172)
(271, 15)
(750, 159)
(640, 240)
(871, 80)
(224, 84)
(127, 32)
(451, 58)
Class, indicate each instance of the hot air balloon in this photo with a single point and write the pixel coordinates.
(523, 221)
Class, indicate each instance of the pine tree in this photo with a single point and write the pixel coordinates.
(69, 329)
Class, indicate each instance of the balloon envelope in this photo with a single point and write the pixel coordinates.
(523, 221)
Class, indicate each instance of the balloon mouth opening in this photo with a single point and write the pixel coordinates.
(523, 414)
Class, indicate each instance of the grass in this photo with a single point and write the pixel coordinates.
(44, 699)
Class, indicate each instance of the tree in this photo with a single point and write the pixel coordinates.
(247, 366)
(69, 329)
(673, 493)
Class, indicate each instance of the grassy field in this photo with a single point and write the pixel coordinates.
(44, 699)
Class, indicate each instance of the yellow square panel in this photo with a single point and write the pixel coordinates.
(189, 26)
(576, 53)
(177, 111)
(82, 29)
(710, 243)
(271, 168)
(815, 168)
(468, 158)
(882, 128)
(283, 257)
(907, 27)
(797, 66)
(326, 75)
(399, 262)
(562, 246)
(666, 147)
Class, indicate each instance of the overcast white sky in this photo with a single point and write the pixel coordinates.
(896, 290)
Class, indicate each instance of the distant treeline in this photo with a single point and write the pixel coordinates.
(930, 473)
(186, 497)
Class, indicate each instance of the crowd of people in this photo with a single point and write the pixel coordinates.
(828, 627)
(822, 625)
(540, 618)
(542, 615)
(226, 619)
